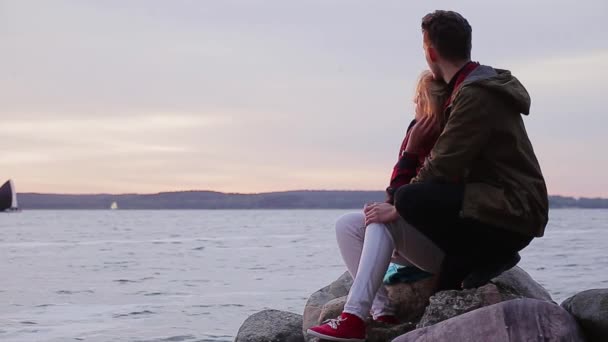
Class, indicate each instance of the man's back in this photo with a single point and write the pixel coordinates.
(505, 185)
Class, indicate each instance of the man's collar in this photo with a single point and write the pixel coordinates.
(452, 82)
(457, 80)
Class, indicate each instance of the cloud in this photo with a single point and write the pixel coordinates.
(253, 95)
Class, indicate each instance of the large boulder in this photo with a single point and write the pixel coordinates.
(271, 326)
(314, 305)
(416, 305)
(512, 284)
(590, 308)
(510, 321)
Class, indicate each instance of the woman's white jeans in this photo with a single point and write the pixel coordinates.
(367, 252)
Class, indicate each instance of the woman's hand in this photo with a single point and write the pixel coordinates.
(423, 135)
(379, 213)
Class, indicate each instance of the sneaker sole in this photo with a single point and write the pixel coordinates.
(332, 338)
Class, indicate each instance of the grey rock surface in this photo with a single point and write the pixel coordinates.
(521, 283)
(271, 326)
(590, 308)
(512, 284)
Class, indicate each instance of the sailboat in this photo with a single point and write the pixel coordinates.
(114, 206)
(8, 197)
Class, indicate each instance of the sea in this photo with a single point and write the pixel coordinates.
(196, 275)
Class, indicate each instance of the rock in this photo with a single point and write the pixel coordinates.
(521, 283)
(271, 326)
(314, 305)
(447, 304)
(414, 303)
(590, 308)
(512, 284)
(510, 321)
(332, 309)
(377, 332)
(411, 299)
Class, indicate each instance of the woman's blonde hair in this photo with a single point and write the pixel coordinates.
(432, 93)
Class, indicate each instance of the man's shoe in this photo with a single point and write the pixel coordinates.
(347, 328)
(387, 319)
(482, 275)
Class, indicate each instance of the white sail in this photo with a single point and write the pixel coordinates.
(14, 204)
(114, 206)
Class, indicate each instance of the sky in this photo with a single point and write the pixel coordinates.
(250, 96)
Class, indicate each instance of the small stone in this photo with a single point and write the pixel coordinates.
(271, 326)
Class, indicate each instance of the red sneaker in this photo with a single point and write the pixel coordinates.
(347, 328)
(387, 319)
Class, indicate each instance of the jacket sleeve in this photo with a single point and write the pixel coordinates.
(403, 172)
(466, 131)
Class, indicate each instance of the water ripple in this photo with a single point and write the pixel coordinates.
(135, 313)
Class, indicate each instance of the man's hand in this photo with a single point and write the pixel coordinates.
(423, 135)
(379, 213)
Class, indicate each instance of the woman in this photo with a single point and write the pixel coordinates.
(372, 244)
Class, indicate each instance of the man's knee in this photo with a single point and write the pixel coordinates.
(409, 199)
(428, 199)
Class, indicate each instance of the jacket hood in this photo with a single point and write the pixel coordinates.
(502, 82)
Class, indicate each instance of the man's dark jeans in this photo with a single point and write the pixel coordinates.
(434, 209)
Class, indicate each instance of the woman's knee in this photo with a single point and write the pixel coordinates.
(349, 223)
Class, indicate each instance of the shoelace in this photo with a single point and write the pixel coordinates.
(335, 322)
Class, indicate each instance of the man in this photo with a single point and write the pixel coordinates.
(480, 197)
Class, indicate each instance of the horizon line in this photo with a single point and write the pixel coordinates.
(239, 193)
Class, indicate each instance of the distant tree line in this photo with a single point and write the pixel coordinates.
(216, 200)
(571, 202)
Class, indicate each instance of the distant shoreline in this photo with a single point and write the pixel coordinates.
(252, 209)
(303, 199)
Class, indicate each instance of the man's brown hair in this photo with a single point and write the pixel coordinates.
(449, 33)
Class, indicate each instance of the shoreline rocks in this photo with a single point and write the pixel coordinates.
(512, 307)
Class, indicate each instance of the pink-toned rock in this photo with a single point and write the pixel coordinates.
(511, 321)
